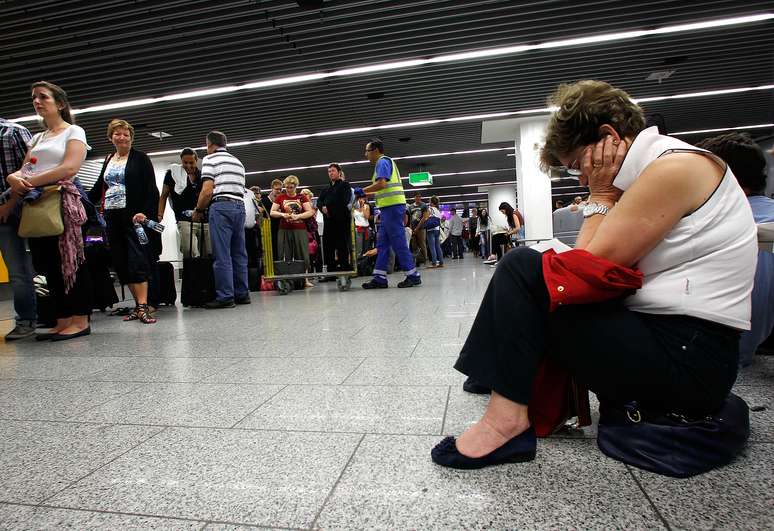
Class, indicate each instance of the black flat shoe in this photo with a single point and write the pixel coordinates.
(520, 449)
(410, 282)
(472, 386)
(64, 337)
(373, 284)
(45, 337)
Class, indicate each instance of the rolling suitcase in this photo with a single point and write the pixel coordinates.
(198, 283)
(167, 289)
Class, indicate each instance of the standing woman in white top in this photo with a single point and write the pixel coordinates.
(362, 212)
(657, 204)
(60, 150)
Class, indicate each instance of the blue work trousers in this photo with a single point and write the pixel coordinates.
(392, 234)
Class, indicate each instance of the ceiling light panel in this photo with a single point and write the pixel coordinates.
(414, 63)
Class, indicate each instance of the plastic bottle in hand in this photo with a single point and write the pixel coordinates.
(154, 225)
(140, 234)
(27, 171)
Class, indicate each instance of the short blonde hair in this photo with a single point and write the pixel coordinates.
(276, 181)
(119, 124)
(308, 192)
(290, 179)
(584, 107)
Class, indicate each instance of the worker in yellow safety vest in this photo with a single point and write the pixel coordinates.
(387, 189)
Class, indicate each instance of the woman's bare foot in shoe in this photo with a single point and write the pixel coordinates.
(483, 438)
(72, 329)
(503, 420)
(61, 324)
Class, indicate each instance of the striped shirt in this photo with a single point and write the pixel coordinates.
(227, 174)
(13, 147)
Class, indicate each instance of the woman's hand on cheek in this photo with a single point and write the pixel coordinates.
(600, 166)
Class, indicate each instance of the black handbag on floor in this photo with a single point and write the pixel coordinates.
(167, 289)
(198, 283)
(671, 444)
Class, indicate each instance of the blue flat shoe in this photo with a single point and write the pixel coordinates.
(520, 449)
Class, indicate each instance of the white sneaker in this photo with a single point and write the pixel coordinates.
(490, 262)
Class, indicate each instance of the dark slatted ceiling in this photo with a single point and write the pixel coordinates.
(104, 51)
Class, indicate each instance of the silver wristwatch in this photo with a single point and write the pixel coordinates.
(595, 208)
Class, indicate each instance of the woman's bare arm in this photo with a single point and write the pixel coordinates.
(668, 189)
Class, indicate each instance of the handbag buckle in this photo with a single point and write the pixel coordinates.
(634, 415)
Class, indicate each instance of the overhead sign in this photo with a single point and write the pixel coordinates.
(422, 178)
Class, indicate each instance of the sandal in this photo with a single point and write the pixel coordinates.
(133, 315)
(144, 314)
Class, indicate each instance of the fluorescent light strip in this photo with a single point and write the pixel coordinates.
(413, 63)
(407, 157)
(458, 119)
(761, 126)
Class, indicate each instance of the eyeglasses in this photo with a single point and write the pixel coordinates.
(369, 150)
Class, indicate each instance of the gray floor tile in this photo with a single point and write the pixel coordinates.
(429, 348)
(55, 400)
(254, 478)
(760, 372)
(40, 458)
(737, 496)
(329, 371)
(761, 422)
(164, 369)
(58, 368)
(183, 404)
(391, 483)
(352, 409)
(23, 518)
(412, 371)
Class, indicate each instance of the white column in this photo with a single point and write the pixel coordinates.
(534, 187)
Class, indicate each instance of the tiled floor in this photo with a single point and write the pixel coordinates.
(316, 410)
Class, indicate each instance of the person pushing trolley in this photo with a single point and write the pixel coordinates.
(387, 189)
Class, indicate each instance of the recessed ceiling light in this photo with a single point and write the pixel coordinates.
(740, 128)
(543, 110)
(412, 63)
(660, 75)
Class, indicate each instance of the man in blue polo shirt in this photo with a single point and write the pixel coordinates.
(387, 188)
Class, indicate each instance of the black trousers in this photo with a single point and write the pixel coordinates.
(336, 237)
(133, 262)
(499, 241)
(666, 362)
(458, 247)
(48, 262)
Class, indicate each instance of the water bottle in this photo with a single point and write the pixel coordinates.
(154, 225)
(140, 234)
(27, 171)
(188, 214)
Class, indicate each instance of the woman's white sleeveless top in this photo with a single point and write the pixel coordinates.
(705, 265)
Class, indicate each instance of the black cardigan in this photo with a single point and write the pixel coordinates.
(142, 194)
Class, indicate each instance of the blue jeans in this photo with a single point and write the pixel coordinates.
(227, 236)
(434, 244)
(19, 264)
(392, 234)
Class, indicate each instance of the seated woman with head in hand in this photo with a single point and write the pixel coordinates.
(658, 286)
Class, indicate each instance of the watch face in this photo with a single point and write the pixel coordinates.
(588, 210)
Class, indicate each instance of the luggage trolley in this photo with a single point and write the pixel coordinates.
(273, 270)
